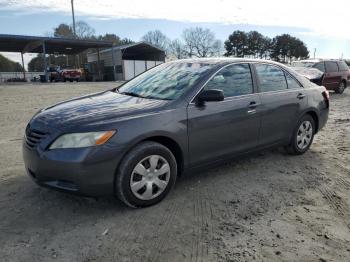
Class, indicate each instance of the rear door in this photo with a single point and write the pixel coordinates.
(282, 99)
(218, 129)
(332, 76)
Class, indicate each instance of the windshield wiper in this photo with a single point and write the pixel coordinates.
(132, 94)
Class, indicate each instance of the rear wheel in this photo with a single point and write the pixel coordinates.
(302, 137)
(341, 88)
(146, 175)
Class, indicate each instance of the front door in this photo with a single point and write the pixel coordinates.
(219, 129)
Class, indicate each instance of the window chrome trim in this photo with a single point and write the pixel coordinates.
(206, 82)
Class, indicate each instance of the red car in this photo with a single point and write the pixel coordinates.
(336, 73)
(70, 75)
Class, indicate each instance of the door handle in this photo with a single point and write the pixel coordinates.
(301, 96)
(253, 104)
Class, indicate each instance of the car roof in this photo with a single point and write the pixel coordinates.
(223, 60)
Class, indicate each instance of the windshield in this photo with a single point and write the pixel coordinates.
(302, 64)
(167, 81)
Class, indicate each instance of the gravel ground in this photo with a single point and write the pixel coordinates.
(264, 207)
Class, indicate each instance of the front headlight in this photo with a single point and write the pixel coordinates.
(77, 140)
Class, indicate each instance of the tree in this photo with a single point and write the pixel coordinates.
(7, 65)
(265, 48)
(115, 39)
(63, 30)
(286, 47)
(237, 44)
(200, 42)
(156, 38)
(84, 31)
(176, 49)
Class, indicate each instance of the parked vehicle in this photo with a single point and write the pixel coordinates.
(336, 73)
(57, 74)
(136, 140)
(70, 75)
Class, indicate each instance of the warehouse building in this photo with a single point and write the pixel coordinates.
(127, 61)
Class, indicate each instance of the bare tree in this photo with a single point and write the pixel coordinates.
(84, 30)
(176, 49)
(156, 38)
(201, 42)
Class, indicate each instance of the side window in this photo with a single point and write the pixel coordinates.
(320, 66)
(233, 80)
(271, 78)
(343, 66)
(292, 83)
(331, 66)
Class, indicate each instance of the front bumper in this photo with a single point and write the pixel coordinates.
(84, 171)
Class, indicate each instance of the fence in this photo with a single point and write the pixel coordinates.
(8, 77)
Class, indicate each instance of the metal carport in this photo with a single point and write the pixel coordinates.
(49, 45)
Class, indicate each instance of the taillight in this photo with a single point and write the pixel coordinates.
(325, 95)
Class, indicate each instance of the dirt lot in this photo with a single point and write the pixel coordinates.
(264, 207)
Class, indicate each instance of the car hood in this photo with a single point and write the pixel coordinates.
(95, 109)
(309, 73)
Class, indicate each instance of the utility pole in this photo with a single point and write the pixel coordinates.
(72, 2)
(74, 32)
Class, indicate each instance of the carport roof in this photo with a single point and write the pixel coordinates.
(34, 44)
(139, 47)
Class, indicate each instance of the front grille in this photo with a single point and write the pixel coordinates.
(33, 137)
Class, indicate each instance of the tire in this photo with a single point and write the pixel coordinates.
(64, 79)
(341, 88)
(302, 139)
(146, 178)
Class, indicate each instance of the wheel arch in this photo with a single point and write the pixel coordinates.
(166, 141)
(315, 117)
(173, 146)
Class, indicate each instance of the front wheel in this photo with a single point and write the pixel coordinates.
(146, 175)
(302, 136)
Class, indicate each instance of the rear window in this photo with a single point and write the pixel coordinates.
(343, 66)
(292, 83)
(271, 78)
(331, 66)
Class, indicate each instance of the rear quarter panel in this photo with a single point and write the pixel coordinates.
(317, 103)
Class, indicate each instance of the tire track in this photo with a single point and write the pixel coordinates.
(344, 183)
(336, 202)
(121, 242)
(203, 231)
(163, 232)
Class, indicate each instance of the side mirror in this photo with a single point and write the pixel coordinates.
(210, 95)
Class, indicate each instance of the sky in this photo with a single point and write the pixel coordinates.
(323, 25)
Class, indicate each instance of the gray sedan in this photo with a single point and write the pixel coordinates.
(135, 141)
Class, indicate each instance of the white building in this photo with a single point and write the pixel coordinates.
(128, 61)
